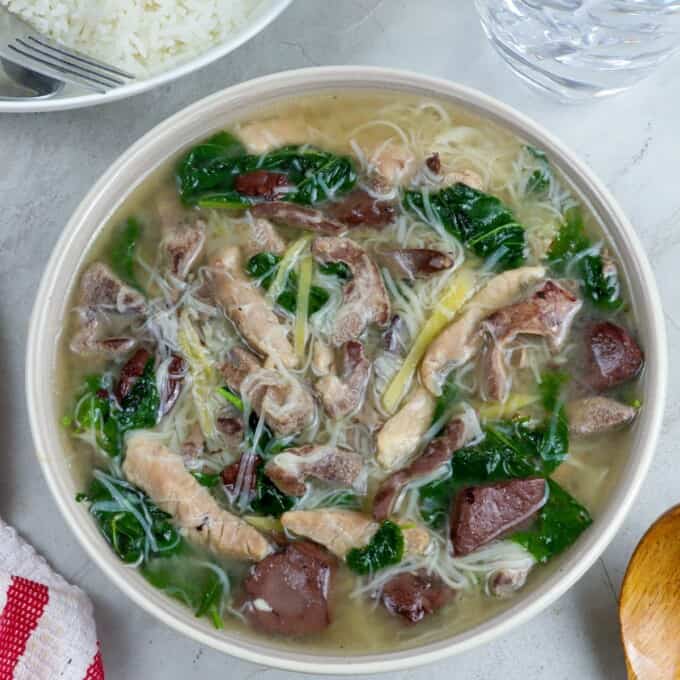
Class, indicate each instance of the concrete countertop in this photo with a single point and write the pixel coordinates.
(49, 161)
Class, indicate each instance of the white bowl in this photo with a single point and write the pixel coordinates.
(199, 121)
(74, 97)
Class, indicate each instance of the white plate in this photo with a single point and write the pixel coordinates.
(73, 97)
(198, 122)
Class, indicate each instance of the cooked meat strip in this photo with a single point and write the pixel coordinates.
(359, 208)
(261, 183)
(596, 415)
(246, 306)
(343, 395)
(415, 595)
(400, 435)
(182, 246)
(161, 474)
(549, 312)
(177, 370)
(412, 263)
(365, 299)
(288, 593)
(131, 371)
(438, 452)
(102, 294)
(290, 469)
(613, 356)
(287, 406)
(297, 216)
(481, 514)
(342, 530)
(323, 358)
(461, 339)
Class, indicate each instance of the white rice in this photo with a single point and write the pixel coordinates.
(140, 36)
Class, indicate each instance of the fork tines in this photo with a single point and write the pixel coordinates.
(45, 56)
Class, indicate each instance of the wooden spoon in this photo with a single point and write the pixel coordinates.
(649, 608)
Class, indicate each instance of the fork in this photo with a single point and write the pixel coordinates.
(25, 47)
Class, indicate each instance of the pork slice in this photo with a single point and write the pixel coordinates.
(483, 513)
(290, 469)
(288, 593)
(297, 216)
(162, 475)
(414, 595)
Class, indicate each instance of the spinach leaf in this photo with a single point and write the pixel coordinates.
(132, 524)
(554, 439)
(599, 284)
(207, 174)
(208, 167)
(385, 549)
(339, 269)
(560, 522)
(97, 410)
(122, 251)
(265, 265)
(268, 500)
(539, 180)
(480, 221)
(190, 581)
(446, 399)
(206, 479)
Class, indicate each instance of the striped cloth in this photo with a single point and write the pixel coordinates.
(47, 629)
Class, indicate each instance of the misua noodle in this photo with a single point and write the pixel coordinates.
(349, 373)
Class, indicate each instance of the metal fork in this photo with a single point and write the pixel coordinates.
(26, 48)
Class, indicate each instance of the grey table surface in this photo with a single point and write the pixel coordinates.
(49, 161)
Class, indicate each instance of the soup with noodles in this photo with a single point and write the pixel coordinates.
(350, 372)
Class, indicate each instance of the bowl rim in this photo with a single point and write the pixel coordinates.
(264, 17)
(574, 563)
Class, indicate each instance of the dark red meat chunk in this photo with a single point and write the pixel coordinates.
(483, 513)
(614, 357)
(288, 593)
(415, 595)
(359, 208)
(131, 371)
(261, 183)
(229, 474)
(173, 387)
(434, 163)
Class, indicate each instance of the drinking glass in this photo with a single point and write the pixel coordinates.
(579, 49)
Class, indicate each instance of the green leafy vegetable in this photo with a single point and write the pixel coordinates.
(446, 399)
(122, 251)
(385, 549)
(480, 221)
(539, 180)
(264, 266)
(191, 581)
(339, 269)
(206, 479)
(207, 174)
(97, 409)
(573, 248)
(560, 522)
(268, 500)
(134, 526)
(232, 398)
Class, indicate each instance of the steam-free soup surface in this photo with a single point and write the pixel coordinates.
(349, 373)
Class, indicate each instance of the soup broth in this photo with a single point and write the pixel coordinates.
(349, 373)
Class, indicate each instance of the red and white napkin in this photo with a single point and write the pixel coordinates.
(47, 629)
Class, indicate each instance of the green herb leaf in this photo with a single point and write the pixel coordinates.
(134, 526)
(600, 285)
(339, 269)
(122, 251)
(205, 479)
(139, 409)
(480, 221)
(231, 397)
(264, 266)
(539, 180)
(446, 399)
(560, 522)
(385, 549)
(268, 500)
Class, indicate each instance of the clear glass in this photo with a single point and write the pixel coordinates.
(579, 49)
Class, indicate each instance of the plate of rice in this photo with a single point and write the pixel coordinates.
(156, 41)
